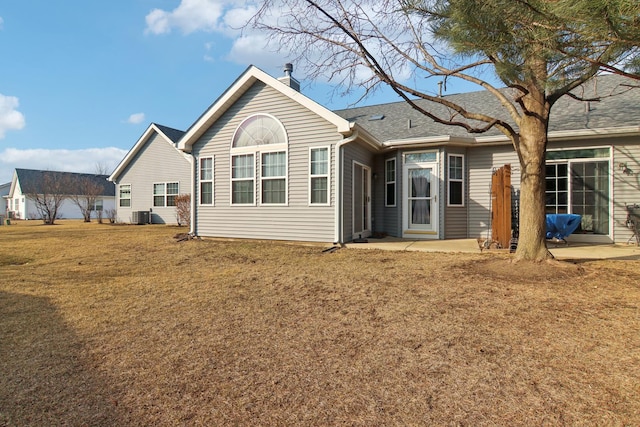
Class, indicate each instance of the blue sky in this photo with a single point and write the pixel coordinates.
(81, 80)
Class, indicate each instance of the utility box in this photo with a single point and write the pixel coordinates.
(140, 217)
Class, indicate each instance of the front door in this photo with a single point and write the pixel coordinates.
(361, 201)
(420, 218)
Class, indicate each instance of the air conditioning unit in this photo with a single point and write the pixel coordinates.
(140, 217)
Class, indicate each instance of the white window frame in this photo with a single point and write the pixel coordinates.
(252, 178)
(387, 182)
(120, 198)
(274, 178)
(257, 151)
(204, 181)
(318, 175)
(165, 194)
(460, 180)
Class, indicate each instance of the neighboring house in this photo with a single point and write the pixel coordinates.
(27, 182)
(270, 163)
(4, 202)
(4, 192)
(152, 173)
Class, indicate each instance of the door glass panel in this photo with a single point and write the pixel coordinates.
(365, 200)
(358, 208)
(419, 197)
(590, 195)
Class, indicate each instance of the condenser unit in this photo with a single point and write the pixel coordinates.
(140, 217)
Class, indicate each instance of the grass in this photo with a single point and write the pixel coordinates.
(108, 325)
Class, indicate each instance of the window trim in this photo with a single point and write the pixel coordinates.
(165, 195)
(460, 180)
(394, 182)
(120, 198)
(202, 181)
(327, 176)
(250, 148)
(284, 177)
(252, 179)
(96, 205)
(257, 152)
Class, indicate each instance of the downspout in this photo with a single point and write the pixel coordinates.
(339, 214)
(192, 225)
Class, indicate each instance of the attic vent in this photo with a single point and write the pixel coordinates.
(376, 117)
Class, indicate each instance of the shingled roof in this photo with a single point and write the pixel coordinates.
(619, 107)
(31, 181)
(173, 134)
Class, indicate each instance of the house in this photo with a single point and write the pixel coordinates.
(29, 182)
(152, 173)
(4, 192)
(270, 163)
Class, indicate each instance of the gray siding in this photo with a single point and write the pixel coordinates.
(626, 188)
(157, 161)
(295, 221)
(387, 218)
(360, 153)
(455, 217)
(481, 162)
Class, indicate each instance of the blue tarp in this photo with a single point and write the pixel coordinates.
(561, 226)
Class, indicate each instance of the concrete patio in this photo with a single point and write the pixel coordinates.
(561, 251)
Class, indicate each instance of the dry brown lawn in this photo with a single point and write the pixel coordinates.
(106, 325)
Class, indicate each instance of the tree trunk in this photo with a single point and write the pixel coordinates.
(532, 244)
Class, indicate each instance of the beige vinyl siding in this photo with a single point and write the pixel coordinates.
(294, 221)
(156, 162)
(455, 217)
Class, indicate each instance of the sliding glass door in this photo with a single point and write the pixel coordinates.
(580, 186)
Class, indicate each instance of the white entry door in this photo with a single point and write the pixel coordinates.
(420, 200)
(361, 201)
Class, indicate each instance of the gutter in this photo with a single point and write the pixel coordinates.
(339, 211)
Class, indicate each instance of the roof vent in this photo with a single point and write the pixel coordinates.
(376, 117)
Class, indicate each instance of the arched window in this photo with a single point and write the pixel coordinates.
(259, 137)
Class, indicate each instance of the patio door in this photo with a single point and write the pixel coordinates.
(361, 201)
(420, 217)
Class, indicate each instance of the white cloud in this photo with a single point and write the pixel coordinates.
(1, 23)
(254, 49)
(225, 17)
(136, 118)
(189, 16)
(10, 118)
(82, 160)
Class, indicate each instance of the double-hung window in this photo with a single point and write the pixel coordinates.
(242, 179)
(125, 195)
(259, 138)
(390, 182)
(319, 176)
(274, 178)
(164, 194)
(206, 181)
(456, 180)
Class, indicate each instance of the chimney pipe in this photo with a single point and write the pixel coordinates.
(288, 79)
(288, 69)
